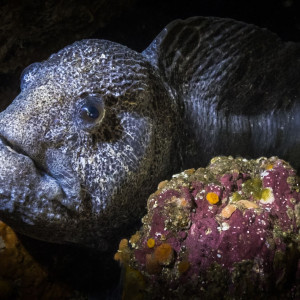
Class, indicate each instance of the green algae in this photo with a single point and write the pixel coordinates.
(297, 214)
(236, 197)
(253, 187)
(293, 182)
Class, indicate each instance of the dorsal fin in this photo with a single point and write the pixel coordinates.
(199, 48)
(237, 84)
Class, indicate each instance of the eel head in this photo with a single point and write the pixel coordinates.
(83, 144)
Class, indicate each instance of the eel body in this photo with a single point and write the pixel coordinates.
(98, 125)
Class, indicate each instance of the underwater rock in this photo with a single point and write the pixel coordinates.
(21, 277)
(228, 231)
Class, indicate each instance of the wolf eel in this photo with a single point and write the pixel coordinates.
(98, 125)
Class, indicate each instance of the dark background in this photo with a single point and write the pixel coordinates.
(31, 30)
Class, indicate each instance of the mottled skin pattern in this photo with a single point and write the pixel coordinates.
(205, 86)
(79, 180)
(238, 86)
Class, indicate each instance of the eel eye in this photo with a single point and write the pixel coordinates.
(91, 111)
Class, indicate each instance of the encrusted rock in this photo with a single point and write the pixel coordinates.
(228, 231)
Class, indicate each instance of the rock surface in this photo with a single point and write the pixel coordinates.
(228, 231)
(21, 276)
(31, 269)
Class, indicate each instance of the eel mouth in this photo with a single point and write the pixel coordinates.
(31, 200)
(19, 151)
(12, 147)
(16, 163)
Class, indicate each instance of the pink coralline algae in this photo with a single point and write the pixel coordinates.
(228, 231)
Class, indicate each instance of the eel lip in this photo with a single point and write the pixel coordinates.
(67, 189)
(19, 151)
(5, 142)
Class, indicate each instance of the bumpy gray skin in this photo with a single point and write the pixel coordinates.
(79, 181)
(204, 87)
